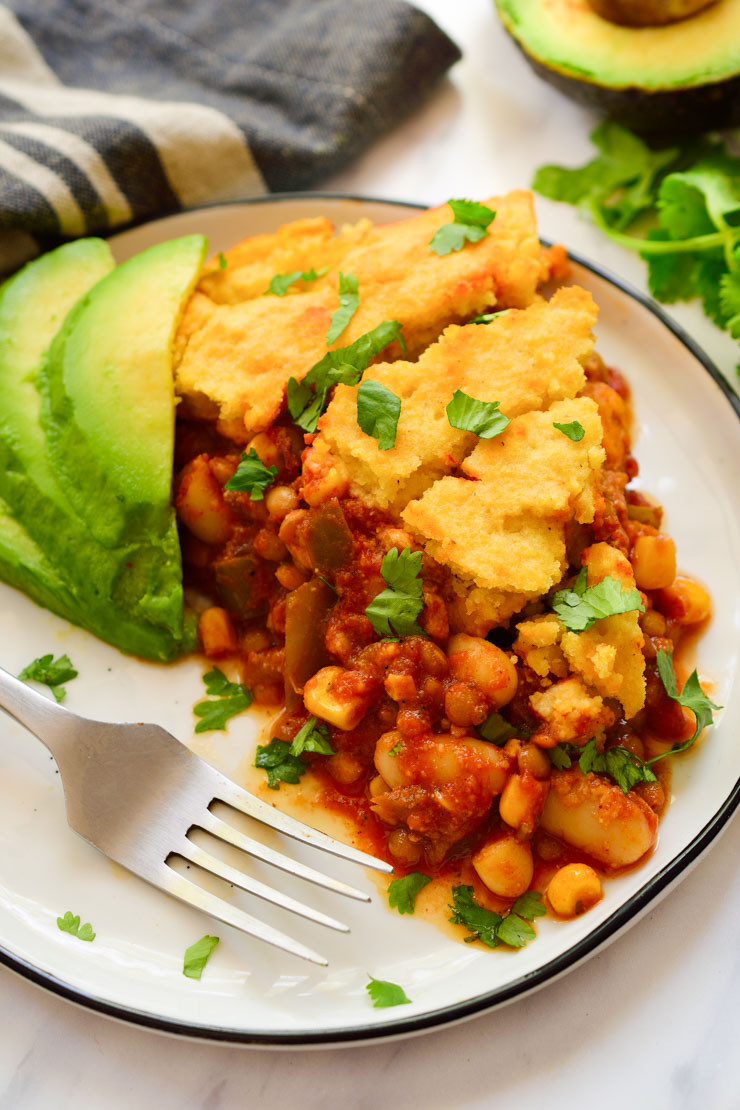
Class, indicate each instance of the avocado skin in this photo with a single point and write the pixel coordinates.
(666, 114)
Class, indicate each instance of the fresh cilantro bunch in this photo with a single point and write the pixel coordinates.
(493, 929)
(307, 399)
(282, 758)
(394, 611)
(692, 697)
(688, 197)
(619, 763)
(582, 605)
(252, 476)
(50, 672)
(225, 701)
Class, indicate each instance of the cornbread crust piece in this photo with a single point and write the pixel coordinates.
(233, 361)
(572, 714)
(608, 655)
(524, 360)
(505, 531)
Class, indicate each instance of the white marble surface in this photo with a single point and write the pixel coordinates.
(652, 1021)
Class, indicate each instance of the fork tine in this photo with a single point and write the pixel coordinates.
(224, 831)
(234, 796)
(208, 862)
(186, 891)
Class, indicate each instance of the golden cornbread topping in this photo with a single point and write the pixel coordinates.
(404, 488)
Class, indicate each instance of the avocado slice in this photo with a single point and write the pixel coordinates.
(662, 81)
(119, 594)
(108, 414)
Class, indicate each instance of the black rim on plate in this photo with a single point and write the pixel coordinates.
(554, 968)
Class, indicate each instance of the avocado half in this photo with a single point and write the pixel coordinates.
(667, 81)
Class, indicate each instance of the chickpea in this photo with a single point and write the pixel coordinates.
(402, 845)
(464, 705)
(654, 561)
(344, 767)
(216, 632)
(473, 659)
(255, 639)
(685, 601)
(532, 759)
(653, 623)
(324, 697)
(281, 500)
(505, 866)
(267, 451)
(400, 687)
(377, 786)
(574, 889)
(290, 576)
(269, 546)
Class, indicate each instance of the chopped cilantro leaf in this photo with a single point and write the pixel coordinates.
(574, 430)
(529, 905)
(402, 892)
(623, 766)
(281, 765)
(394, 611)
(481, 417)
(222, 260)
(385, 994)
(493, 928)
(307, 399)
(196, 956)
(579, 607)
(489, 317)
(50, 672)
(252, 476)
(561, 756)
(470, 224)
(692, 697)
(70, 923)
(482, 923)
(397, 748)
(515, 931)
(312, 737)
(378, 410)
(281, 283)
(496, 729)
(227, 699)
(349, 302)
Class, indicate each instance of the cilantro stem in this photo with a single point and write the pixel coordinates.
(659, 246)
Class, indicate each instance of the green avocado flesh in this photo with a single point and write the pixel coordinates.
(567, 36)
(122, 578)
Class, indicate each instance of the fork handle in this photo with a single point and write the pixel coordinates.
(43, 718)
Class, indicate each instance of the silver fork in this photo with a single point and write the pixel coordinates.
(136, 793)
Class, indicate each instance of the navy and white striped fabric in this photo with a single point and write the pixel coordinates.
(114, 111)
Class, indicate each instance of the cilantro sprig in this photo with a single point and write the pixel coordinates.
(378, 410)
(582, 605)
(349, 302)
(50, 672)
(70, 923)
(481, 417)
(226, 699)
(493, 929)
(470, 224)
(692, 697)
(385, 994)
(252, 476)
(497, 730)
(281, 283)
(393, 611)
(282, 758)
(345, 365)
(197, 955)
(690, 197)
(622, 765)
(402, 893)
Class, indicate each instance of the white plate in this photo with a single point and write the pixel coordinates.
(689, 453)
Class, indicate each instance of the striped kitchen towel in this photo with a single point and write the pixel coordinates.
(114, 111)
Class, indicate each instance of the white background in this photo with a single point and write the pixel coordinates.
(654, 1020)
